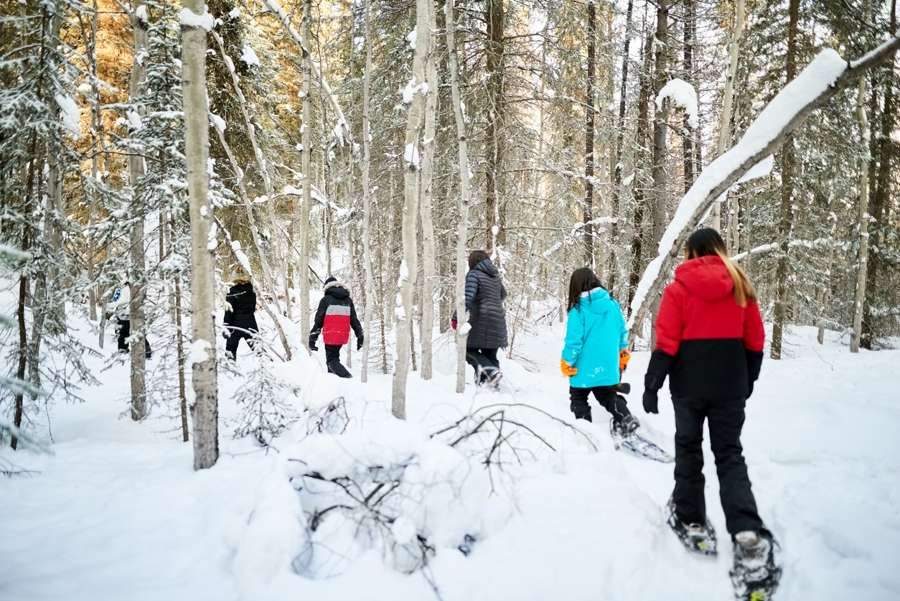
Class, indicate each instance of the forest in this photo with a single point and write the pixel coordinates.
(380, 141)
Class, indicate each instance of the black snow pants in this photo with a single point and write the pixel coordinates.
(605, 395)
(726, 418)
(483, 360)
(125, 332)
(231, 345)
(333, 361)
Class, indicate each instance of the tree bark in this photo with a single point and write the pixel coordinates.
(496, 112)
(784, 223)
(862, 268)
(138, 278)
(617, 168)
(306, 206)
(687, 143)
(658, 169)
(825, 294)
(428, 146)
(463, 230)
(408, 266)
(590, 102)
(205, 410)
(367, 210)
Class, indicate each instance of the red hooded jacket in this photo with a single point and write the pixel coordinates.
(708, 345)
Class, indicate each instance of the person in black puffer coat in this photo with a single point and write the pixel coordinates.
(485, 294)
(240, 318)
(335, 317)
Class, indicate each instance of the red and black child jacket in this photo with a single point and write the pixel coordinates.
(335, 317)
(708, 345)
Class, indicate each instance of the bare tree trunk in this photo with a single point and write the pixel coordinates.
(728, 101)
(428, 271)
(367, 233)
(826, 286)
(137, 249)
(590, 103)
(787, 176)
(96, 132)
(307, 176)
(687, 143)
(658, 168)
(205, 411)
(463, 233)
(179, 346)
(862, 268)
(617, 168)
(496, 111)
(408, 266)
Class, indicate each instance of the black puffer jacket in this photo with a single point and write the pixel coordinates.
(242, 299)
(485, 294)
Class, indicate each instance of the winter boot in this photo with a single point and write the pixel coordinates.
(757, 569)
(695, 537)
(627, 425)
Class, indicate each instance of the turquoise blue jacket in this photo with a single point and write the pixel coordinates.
(594, 336)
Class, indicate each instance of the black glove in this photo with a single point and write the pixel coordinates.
(651, 402)
(312, 346)
(359, 344)
(225, 335)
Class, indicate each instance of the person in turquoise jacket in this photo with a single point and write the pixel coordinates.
(596, 351)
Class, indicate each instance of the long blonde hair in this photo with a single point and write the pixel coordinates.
(707, 242)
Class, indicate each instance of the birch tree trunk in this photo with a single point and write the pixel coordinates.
(725, 122)
(826, 286)
(205, 410)
(305, 207)
(411, 196)
(787, 177)
(463, 231)
(428, 150)
(137, 249)
(658, 168)
(862, 267)
(367, 233)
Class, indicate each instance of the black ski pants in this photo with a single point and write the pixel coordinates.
(333, 361)
(125, 332)
(605, 395)
(483, 360)
(726, 418)
(231, 345)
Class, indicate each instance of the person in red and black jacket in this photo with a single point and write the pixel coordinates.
(335, 317)
(710, 344)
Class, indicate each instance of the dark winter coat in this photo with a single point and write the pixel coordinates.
(708, 345)
(242, 299)
(335, 316)
(485, 294)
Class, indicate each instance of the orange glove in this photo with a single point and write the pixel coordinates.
(624, 357)
(567, 369)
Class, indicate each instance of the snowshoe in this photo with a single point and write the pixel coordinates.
(757, 565)
(626, 437)
(700, 538)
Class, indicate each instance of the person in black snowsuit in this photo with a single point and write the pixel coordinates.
(118, 307)
(240, 318)
(485, 294)
(334, 318)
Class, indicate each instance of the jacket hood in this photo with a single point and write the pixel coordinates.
(336, 289)
(705, 277)
(596, 301)
(487, 267)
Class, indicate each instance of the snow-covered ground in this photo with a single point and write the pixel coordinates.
(117, 512)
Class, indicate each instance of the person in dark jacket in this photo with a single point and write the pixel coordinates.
(240, 313)
(334, 318)
(710, 344)
(485, 294)
(118, 307)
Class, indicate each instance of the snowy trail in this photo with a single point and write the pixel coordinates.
(118, 512)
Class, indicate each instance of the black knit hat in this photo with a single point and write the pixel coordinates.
(330, 279)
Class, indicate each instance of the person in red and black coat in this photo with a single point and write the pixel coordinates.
(335, 317)
(710, 344)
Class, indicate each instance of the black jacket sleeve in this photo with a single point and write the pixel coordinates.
(320, 320)
(754, 364)
(354, 323)
(657, 370)
(502, 292)
(229, 312)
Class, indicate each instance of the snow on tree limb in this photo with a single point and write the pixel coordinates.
(282, 17)
(822, 79)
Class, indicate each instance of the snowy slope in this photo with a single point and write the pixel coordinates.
(118, 513)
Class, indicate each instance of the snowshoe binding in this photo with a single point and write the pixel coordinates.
(757, 565)
(700, 538)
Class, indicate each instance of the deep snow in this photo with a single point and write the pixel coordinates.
(117, 512)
